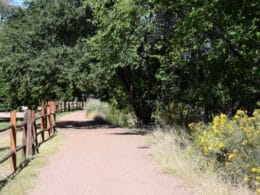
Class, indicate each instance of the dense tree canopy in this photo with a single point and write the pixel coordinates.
(41, 52)
(133, 53)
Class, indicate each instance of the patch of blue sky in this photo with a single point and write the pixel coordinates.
(17, 2)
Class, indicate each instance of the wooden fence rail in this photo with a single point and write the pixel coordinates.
(34, 125)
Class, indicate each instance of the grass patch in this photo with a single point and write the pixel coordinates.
(24, 179)
(175, 154)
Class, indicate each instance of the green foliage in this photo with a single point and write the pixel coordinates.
(42, 52)
(96, 110)
(213, 59)
(125, 54)
(204, 56)
(232, 146)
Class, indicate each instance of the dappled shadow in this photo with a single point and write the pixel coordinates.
(93, 124)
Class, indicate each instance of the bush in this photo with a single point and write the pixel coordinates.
(232, 146)
(174, 151)
(97, 109)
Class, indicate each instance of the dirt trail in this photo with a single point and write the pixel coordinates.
(103, 161)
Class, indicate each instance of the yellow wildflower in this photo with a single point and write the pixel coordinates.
(206, 151)
(257, 183)
(245, 142)
(232, 156)
(227, 164)
(230, 128)
(254, 170)
(236, 117)
(191, 126)
(220, 145)
(258, 190)
(246, 179)
(240, 112)
(235, 151)
(257, 178)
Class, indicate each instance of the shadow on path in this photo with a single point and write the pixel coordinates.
(142, 133)
(94, 124)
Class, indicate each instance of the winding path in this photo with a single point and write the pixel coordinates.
(98, 160)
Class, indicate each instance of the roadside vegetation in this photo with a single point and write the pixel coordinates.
(22, 181)
(175, 153)
(219, 157)
(189, 63)
(97, 110)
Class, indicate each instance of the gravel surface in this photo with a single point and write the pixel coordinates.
(99, 160)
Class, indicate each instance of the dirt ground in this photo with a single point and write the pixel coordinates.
(100, 160)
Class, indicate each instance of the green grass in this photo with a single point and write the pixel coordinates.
(24, 179)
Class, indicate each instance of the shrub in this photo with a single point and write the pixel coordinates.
(232, 146)
(173, 150)
(97, 109)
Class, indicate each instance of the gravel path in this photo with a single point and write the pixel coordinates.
(103, 161)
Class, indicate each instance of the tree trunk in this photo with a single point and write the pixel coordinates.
(143, 110)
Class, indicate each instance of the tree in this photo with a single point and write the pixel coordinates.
(126, 51)
(41, 51)
(213, 62)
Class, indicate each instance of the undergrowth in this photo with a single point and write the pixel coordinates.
(96, 110)
(174, 151)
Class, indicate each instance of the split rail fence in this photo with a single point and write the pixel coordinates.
(35, 124)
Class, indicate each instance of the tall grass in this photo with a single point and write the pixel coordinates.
(173, 150)
(96, 110)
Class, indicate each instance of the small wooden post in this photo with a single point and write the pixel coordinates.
(24, 139)
(34, 134)
(52, 106)
(64, 106)
(48, 120)
(13, 140)
(29, 141)
(42, 121)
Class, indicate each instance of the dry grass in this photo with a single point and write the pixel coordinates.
(175, 155)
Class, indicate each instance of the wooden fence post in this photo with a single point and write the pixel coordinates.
(24, 139)
(42, 121)
(13, 140)
(34, 134)
(29, 141)
(52, 106)
(65, 107)
(48, 120)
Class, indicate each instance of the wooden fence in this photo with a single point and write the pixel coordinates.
(67, 106)
(35, 124)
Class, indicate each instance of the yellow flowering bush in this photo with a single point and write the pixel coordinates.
(232, 146)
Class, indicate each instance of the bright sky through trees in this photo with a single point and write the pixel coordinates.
(17, 2)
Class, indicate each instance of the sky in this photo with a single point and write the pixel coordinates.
(18, 2)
